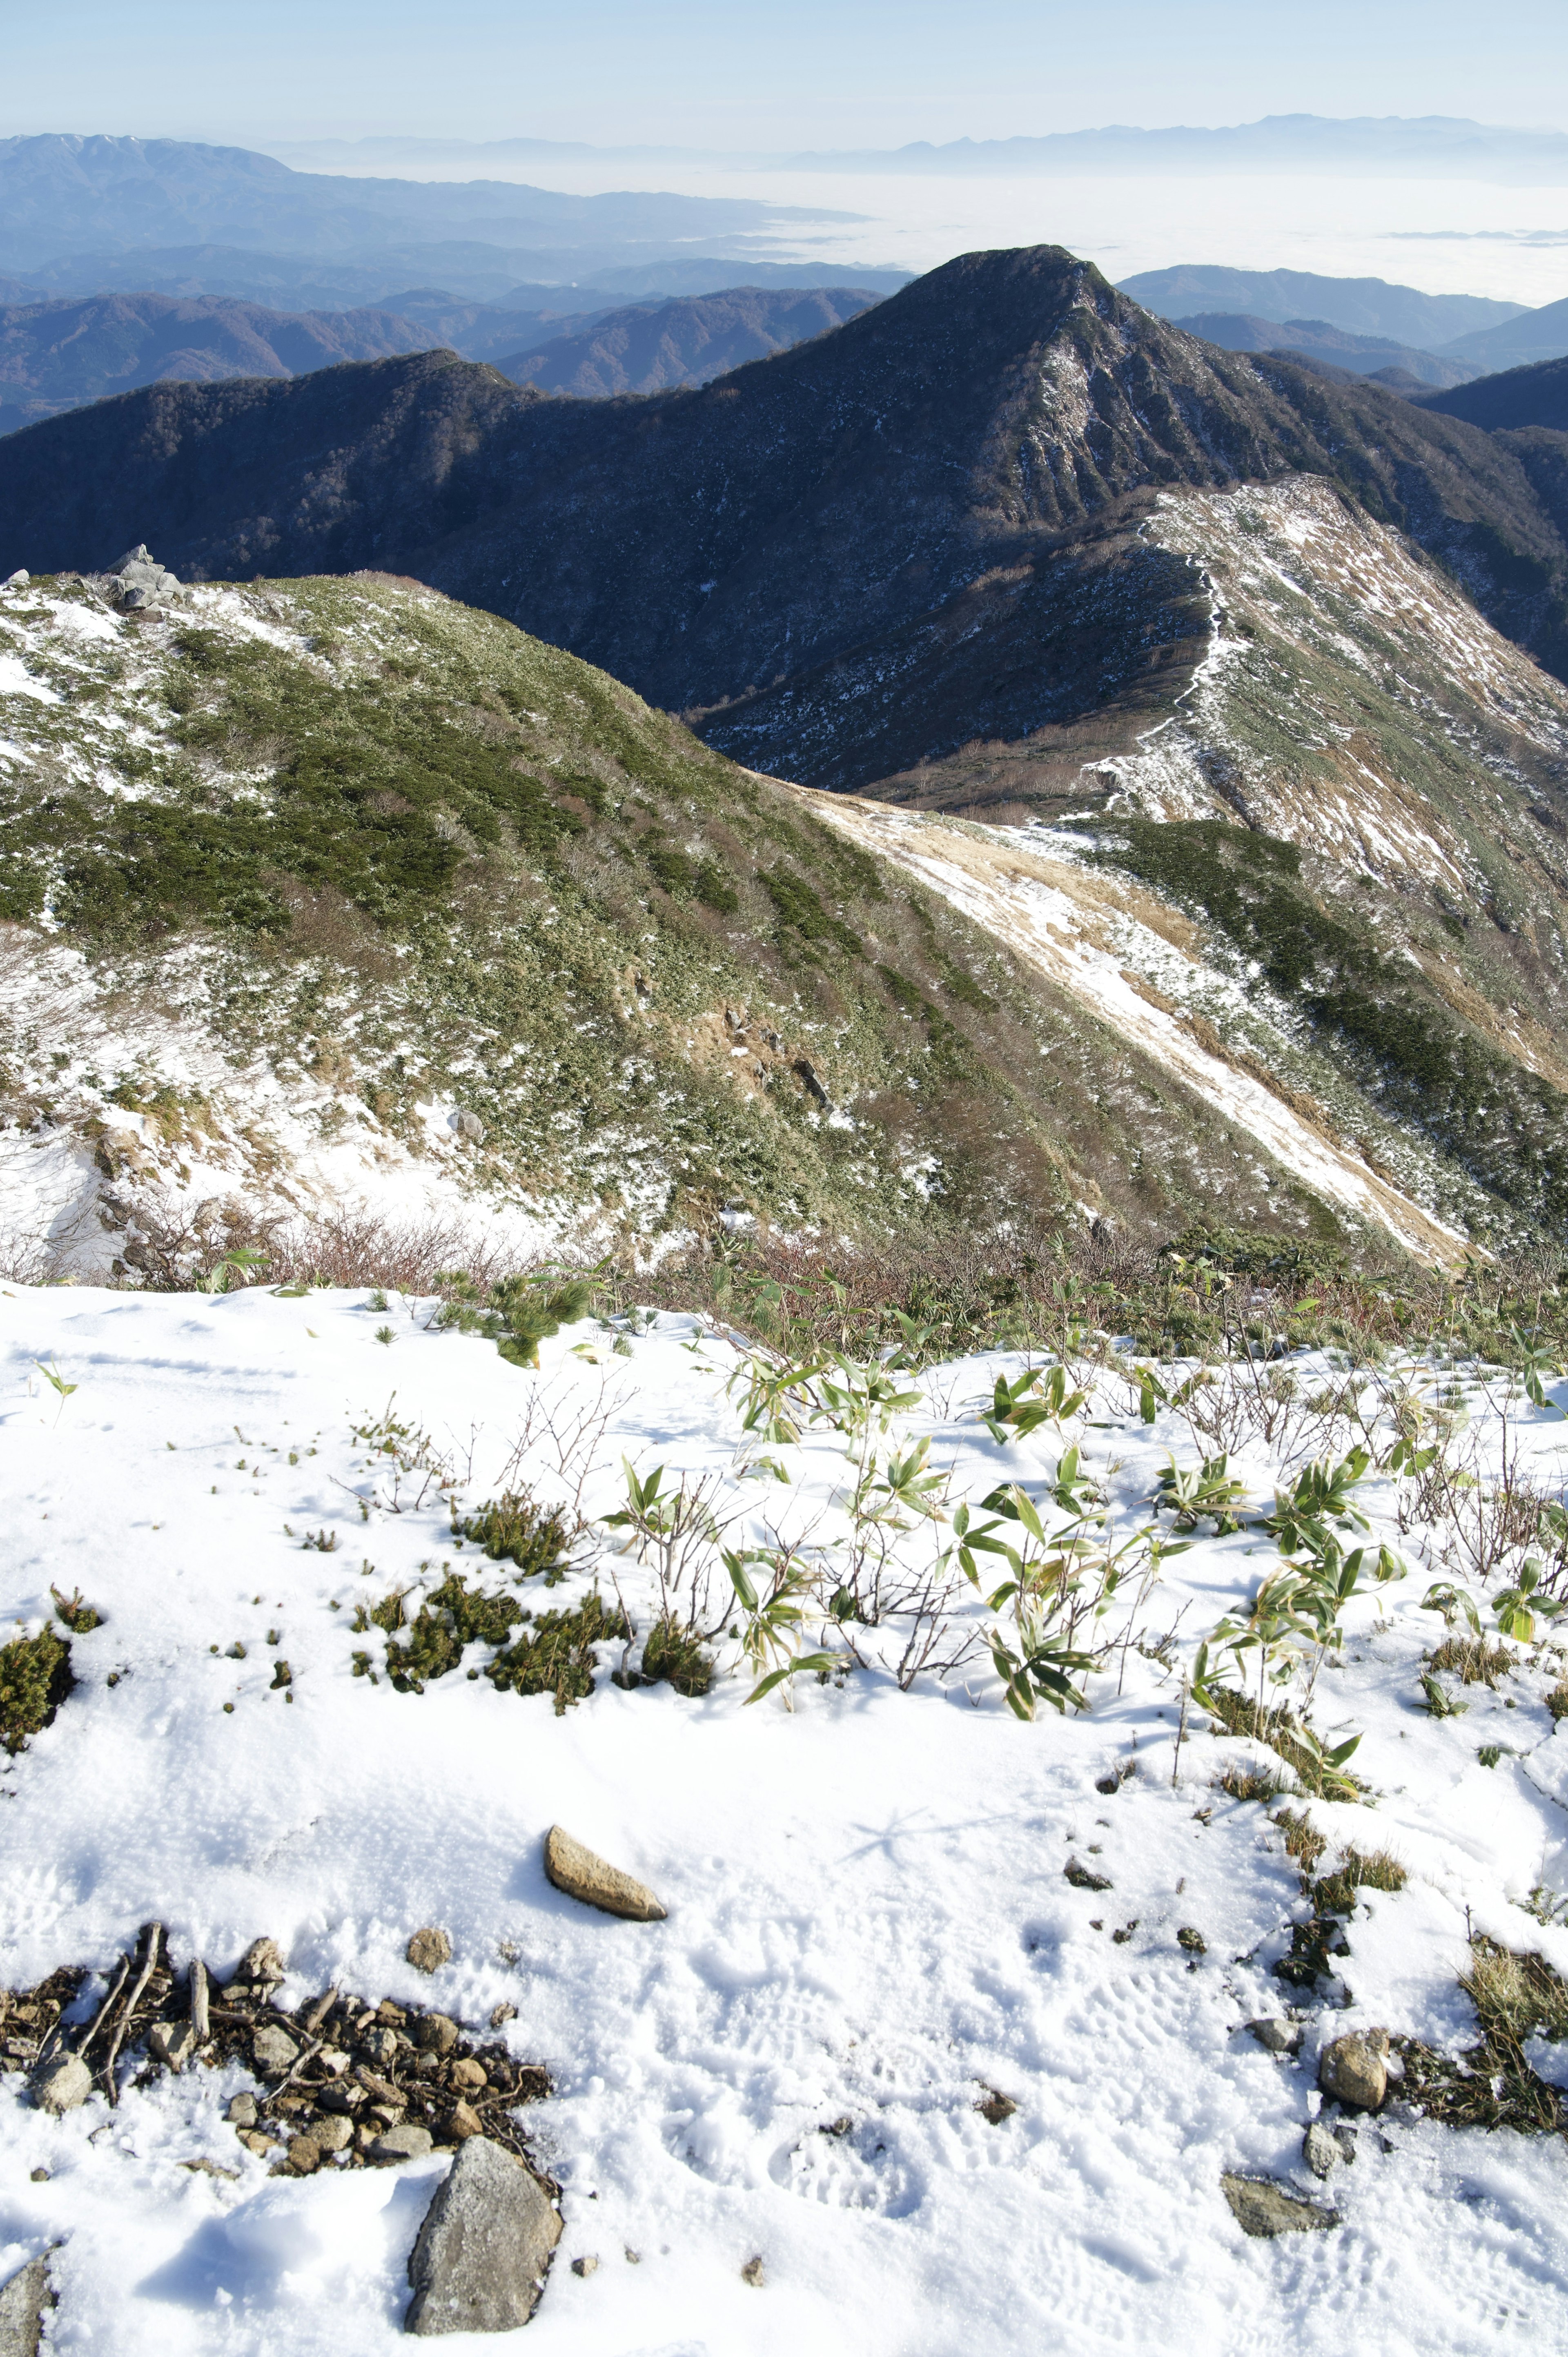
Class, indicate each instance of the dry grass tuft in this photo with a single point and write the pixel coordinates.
(1376, 1869)
(1492, 2085)
(1516, 1996)
(1473, 1661)
(1250, 1780)
(1302, 1839)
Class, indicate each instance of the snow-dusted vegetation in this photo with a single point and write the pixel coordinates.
(1042, 1757)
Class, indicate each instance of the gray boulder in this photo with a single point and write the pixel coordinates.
(1277, 2037)
(173, 2042)
(480, 2260)
(23, 2302)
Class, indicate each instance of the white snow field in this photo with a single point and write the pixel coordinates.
(869, 1926)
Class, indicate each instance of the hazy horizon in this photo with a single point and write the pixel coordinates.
(824, 74)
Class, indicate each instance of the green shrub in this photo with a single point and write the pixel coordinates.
(675, 1656)
(518, 1313)
(513, 1529)
(35, 1679)
(801, 910)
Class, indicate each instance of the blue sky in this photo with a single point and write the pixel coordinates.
(735, 74)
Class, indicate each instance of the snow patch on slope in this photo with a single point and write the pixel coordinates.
(1035, 905)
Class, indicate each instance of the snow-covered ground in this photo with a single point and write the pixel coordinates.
(868, 1918)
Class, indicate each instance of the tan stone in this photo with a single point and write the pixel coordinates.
(463, 2122)
(468, 2075)
(1354, 2070)
(583, 1875)
(429, 1949)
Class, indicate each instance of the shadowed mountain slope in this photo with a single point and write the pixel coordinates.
(1537, 395)
(917, 531)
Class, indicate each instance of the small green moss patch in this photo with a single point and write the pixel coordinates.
(557, 1656)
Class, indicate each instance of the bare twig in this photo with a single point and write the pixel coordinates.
(150, 1957)
(318, 2012)
(306, 2054)
(1181, 1731)
(96, 2024)
(200, 2020)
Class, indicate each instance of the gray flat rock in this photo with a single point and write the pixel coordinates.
(1261, 2207)
(581, 1874)
(479, 2262)
(23, 2302)
(274, 2048)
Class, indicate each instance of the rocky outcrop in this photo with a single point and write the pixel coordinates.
(139, 582)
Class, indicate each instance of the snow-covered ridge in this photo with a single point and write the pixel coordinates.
(379, 1072)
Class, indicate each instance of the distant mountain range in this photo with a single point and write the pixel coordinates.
(927, 539)
(1431, 146)
(1434, 147)
(650, 347)
(62, 195)
(1529, 335)
(455, 273)
(57, 356)
(1361, 307)
(88, 216)
(1480, 335)
(1362, 355)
